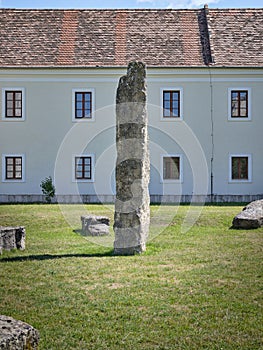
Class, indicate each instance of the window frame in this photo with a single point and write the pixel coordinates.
(92, 115)
(249, 170)
(239, 89)
(171, 89)
(4, 169)
(92, 171)
(4, 104)
(180, 179)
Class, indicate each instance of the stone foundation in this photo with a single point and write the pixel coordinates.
(17, 335)
(12, 238)
(155, 198)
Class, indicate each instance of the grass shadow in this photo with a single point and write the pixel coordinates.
(42, 257)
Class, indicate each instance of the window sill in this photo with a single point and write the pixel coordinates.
(13, 181)
(173, 119)
(83, 120)
(171, 181)
(11, 119)
(246, 119)
(83, 180)
(240, 181)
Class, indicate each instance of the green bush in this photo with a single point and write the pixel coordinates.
(48, 188)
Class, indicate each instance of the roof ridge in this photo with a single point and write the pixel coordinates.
(100, 9)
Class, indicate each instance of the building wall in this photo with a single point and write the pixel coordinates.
(49, 139)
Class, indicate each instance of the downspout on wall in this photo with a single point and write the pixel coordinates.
(205, 34)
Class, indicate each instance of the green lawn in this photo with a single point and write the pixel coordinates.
(196, 290)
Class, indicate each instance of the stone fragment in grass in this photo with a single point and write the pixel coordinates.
(17, 335)
(95, 225)
(12, 238)
(250, 217)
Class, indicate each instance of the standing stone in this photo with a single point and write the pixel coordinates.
(132, 204)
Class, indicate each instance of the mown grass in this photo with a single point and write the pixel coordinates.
(201, 289)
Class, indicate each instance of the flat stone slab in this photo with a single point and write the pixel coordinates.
(95, 225)
(250, 217)
(12, 238)
(17, 335)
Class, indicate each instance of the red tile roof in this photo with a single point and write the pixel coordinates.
(86, 38)
(236, 36)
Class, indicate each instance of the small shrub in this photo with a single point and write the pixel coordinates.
(48, 188)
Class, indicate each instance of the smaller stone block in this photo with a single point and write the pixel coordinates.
(17, 335)
(12, 238)
(250, 217)
(95, 225)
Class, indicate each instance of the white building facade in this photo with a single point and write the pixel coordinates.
(205, 132)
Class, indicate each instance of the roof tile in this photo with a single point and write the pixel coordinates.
(49, 38)
(236, 36)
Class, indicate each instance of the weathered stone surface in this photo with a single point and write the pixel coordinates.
(17, 335)
(250, 217)
(95, 225)
(12, 238)
(132, 211)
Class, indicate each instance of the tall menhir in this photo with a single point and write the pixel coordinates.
(132, 204)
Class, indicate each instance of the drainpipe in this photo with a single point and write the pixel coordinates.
(212, 137)
(209, 61)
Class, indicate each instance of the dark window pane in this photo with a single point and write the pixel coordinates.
(166, 113)
(234, 96)
(239, 168)
(175, 95)
(166, 96)
(9, 104)
(78, 97)
(167, 105)
(88, 96)
(171, 168)
(9, 96)
(243, 112)
(79, 113)
(87, 105)
(243, 96)
(79, 105)
(18, 96)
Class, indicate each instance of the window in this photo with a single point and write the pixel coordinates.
(13, 168)
(172, 167)
(239, 104)
(83, 104)
(240, 166)
(171, 103)
(13, 104)
(84, 168)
